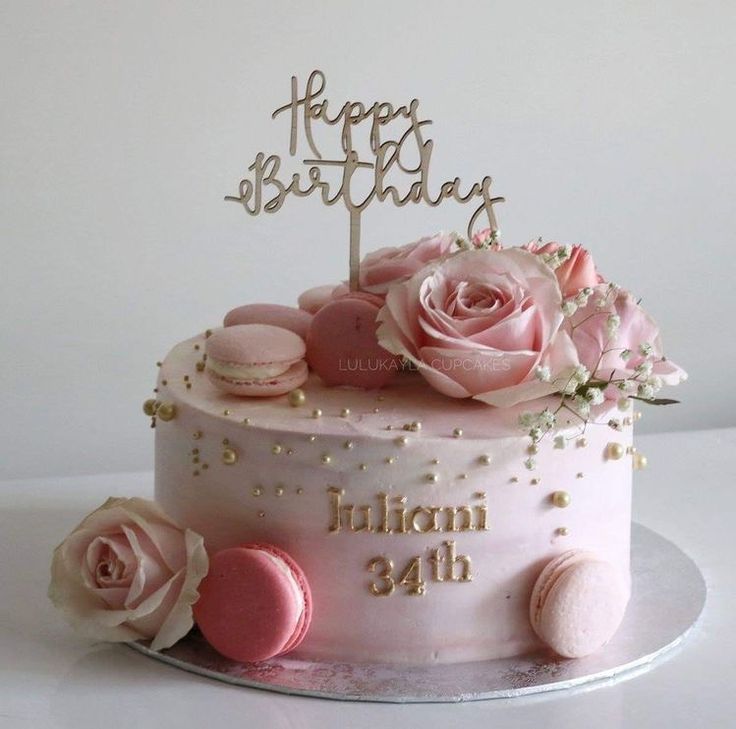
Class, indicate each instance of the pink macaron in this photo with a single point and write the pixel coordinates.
(256, 360)
(312, 300)
(286, 317)
(342, 347)
(254, 603)
(578, 603)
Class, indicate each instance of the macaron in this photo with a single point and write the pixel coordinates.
(342, 347)
(256, 360)
(254, 603)
(312, 300)
(578, 603)
(286, 317)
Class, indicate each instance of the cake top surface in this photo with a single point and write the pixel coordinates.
(390, 411)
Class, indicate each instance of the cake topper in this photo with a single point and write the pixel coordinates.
(266, 190)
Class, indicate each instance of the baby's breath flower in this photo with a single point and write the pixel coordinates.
(645, 368)
(547, 419)
(626, 355)
(655, 383)
(612, 324)
(543, 373)
(569, 307)
(526, 420)
(645, 349)
(581, 374)
(530, 463)
(645, 391)
(582, 298)
(582, 406)
(594, 395)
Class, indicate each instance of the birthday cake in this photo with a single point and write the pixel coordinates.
(428, 463)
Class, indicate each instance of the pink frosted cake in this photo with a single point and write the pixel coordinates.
(433, 468)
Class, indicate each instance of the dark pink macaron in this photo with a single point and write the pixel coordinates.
(254, 603)
(286, 317)
(256, 360)
(342, 347)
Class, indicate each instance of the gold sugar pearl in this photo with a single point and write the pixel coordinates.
(279, 491)
(257, 491)
(197, 434)
(229, 456)
(297, 398)
(326, 458)
(261, 514)
(316, 413)
(536, 481)
(560, 499)
(436, 461)
(615, 451)
(300, 491)
(415, 426)
(227, 412)
(562, 531)
(390, 460)
(149, 407)
(402, 440)
(312, 438)
(457, 433)
(276, 449)
(639, 461)
(363, 467)
(432, 477)
(463, 476)
(485, 460)
(348, 445)
(166, 411)
(345, 412)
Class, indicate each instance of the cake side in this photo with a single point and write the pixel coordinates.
(421, 544)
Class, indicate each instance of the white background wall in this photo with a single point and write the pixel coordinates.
(122, 125)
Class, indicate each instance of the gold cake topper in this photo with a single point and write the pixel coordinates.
(389, 158)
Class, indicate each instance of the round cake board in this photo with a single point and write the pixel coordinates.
(668, 596)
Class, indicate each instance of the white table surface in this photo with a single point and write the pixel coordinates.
(49, 677)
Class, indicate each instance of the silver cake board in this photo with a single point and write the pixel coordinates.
(668, 595)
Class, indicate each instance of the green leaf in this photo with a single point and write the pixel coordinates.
(656, 400)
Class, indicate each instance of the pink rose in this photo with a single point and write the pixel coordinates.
(128, 572)
(382, 268)
(576, 273)
(483, 239)
(479, 323)
(386, 266)
(614, 336)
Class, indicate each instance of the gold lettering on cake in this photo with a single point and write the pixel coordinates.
(409, 155)
(393, 516)
(385, 584)
(411, 576)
